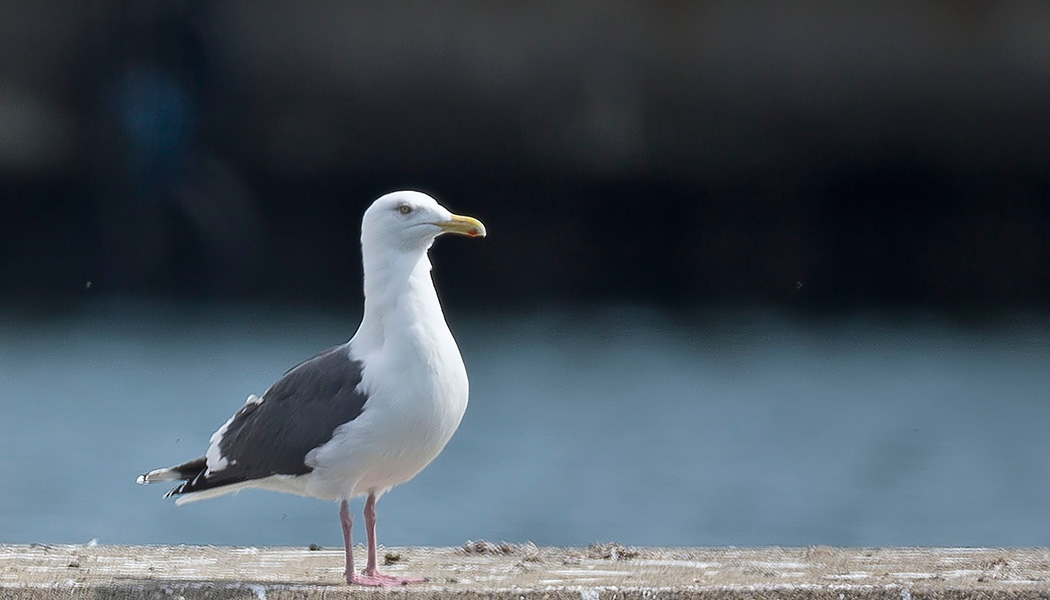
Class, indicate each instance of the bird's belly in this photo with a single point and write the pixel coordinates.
(395, 467)
(385, 446)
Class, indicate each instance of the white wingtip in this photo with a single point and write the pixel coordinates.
(166, 474)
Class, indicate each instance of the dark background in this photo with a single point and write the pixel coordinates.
(814, 156)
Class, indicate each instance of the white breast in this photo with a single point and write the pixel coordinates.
(406, 421)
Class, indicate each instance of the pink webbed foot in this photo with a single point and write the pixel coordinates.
(371, 576)
(377, 579)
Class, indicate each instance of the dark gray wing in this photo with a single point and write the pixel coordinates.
(297, 414)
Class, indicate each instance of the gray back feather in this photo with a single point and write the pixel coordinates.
(297, 414)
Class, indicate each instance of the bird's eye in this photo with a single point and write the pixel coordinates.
(404, 209)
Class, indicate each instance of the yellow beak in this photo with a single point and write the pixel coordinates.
(463, 226)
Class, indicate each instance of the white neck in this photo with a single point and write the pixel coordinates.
(400, 300)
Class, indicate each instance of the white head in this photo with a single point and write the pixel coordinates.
(409, 221)
(396, 232)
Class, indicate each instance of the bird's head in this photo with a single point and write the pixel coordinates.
(411, 220)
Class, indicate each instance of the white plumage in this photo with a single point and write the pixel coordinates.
(365, 416)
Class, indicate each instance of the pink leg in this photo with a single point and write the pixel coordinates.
(347, 521)
(371, 576)
(372, 569)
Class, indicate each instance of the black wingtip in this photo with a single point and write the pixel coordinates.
(197, 479)
(192, 469)
(175, 491)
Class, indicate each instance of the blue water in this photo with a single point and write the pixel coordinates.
(611, 424)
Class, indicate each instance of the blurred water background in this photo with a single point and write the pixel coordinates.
(616, 423)
(758, 272)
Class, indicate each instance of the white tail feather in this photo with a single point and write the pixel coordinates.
(211, 493)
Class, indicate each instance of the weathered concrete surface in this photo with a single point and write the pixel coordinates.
(481, 569)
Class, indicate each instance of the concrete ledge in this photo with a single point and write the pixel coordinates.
(485, 570)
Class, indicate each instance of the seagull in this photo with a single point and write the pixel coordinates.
(362, 417)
